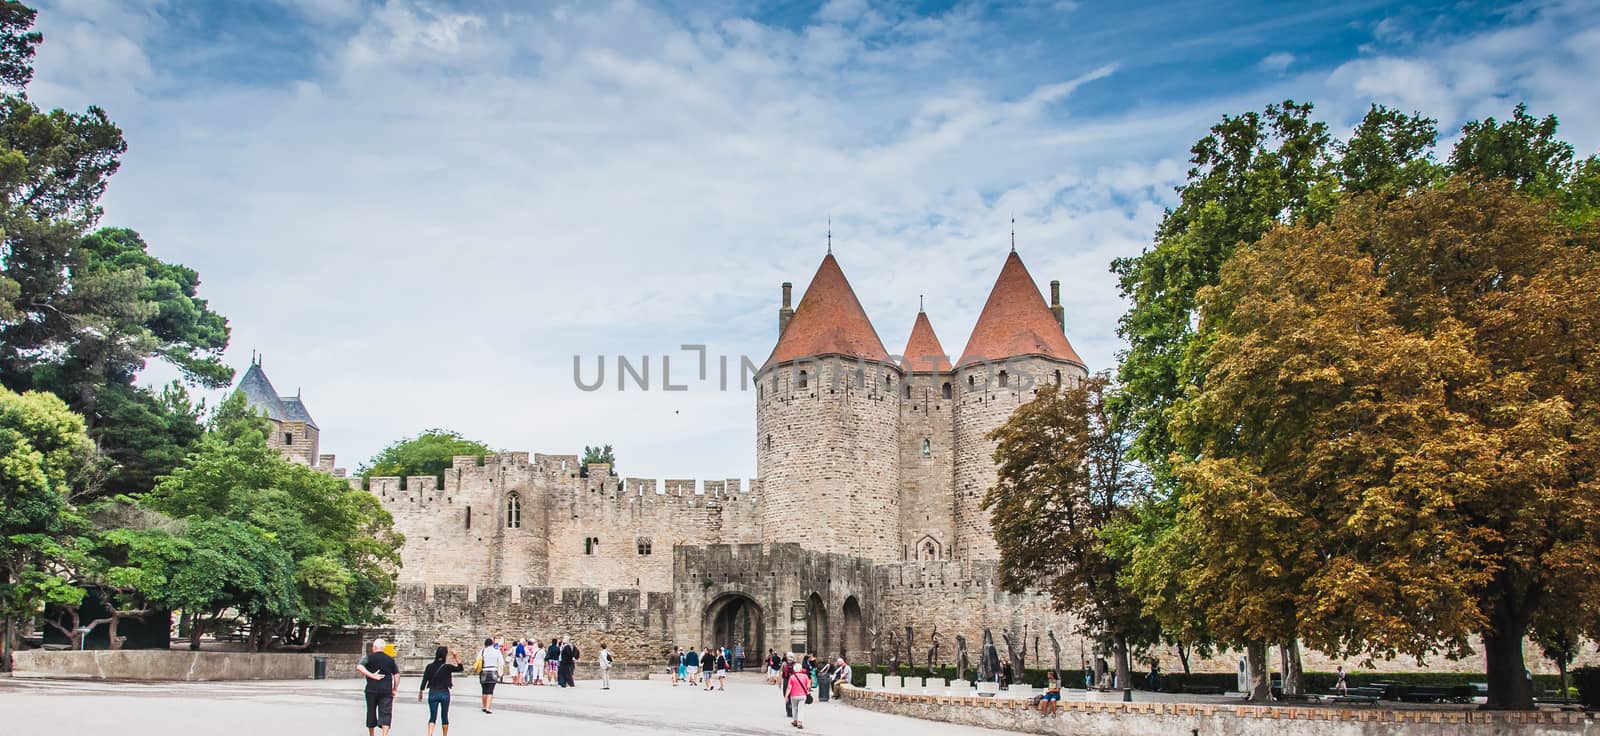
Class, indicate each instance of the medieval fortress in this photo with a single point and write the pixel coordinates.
(863, 534)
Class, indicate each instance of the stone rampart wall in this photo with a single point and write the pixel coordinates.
(149, 664)
(1080, 718)
(634, 623)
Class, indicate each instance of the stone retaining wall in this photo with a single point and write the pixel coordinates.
(157, 665)
(1080, 718)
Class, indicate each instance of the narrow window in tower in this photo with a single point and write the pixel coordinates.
(1005, 380)
(945, 390)
(769, 442)
(588, 545)
(288, 439)
(972, 381)
(1058, 378)
(927, 448)
(888, 384)
(469, 517)
(930, 553)
(513, 512)
(644, 545)
(802, 379)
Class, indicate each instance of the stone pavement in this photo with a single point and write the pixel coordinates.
(334, 707)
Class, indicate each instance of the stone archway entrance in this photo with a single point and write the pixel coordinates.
(816, 625)
(852, 639)
(733, 618)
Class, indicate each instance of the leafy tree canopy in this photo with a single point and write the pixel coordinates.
(1394, 447)
(428, 453)
(45, 456)
(600, 454)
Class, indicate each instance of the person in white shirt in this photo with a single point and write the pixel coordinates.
(490, 663)
(605, 667)
(841, 675)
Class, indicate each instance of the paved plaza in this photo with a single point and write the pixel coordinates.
(306, 707)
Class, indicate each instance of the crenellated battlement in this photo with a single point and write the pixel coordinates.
(461, 615)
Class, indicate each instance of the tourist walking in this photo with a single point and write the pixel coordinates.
(691, 666)
(569, 663)
(675, 665)
(722, 671)
(383, 680)
(552, 660)
(488, 665)
(773, 662)
(785, 672)
(708, 666)
(738, 656)
(1343, 684)
(536, 667)
(519, 661)
(605, 667)
(799, 694)
(437, 679)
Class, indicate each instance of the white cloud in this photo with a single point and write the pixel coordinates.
(425, 229)
(1276, 63)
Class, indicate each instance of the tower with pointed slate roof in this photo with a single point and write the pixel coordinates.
(887, 457)
(294, 433)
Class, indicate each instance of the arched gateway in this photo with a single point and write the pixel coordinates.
(734, 618)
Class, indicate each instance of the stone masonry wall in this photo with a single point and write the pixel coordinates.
(927, 505)
(634, 522)
(981, 405)
(828, 455)
(632, 623)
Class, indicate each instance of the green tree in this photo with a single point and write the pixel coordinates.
(1064, 481)
(44, 457)
(340, 545)
(1394, 445)
(599, 454)
(429, 453)
(82, 313)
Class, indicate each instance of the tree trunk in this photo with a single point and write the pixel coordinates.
(1119, 643)
(1561, 667)
(196, 625)
(1183, 656)
(1260, 680)
(1293, 676)
(1505, 669)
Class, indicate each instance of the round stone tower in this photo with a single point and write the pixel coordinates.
(827, 426)
(1018, 344)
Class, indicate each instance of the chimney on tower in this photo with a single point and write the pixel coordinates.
(1055, 306)
(786, 312)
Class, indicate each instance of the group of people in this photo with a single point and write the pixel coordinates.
(797, 677)
(707, 666)
(524, 661)
(535, 662)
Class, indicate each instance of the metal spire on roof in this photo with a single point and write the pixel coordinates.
(830, 235)
(919, 303)
(1013, 233)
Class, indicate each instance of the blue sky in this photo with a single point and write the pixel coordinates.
(421, 211)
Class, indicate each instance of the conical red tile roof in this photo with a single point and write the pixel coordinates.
(1016, 321)
(829, 321)
(923, 351)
